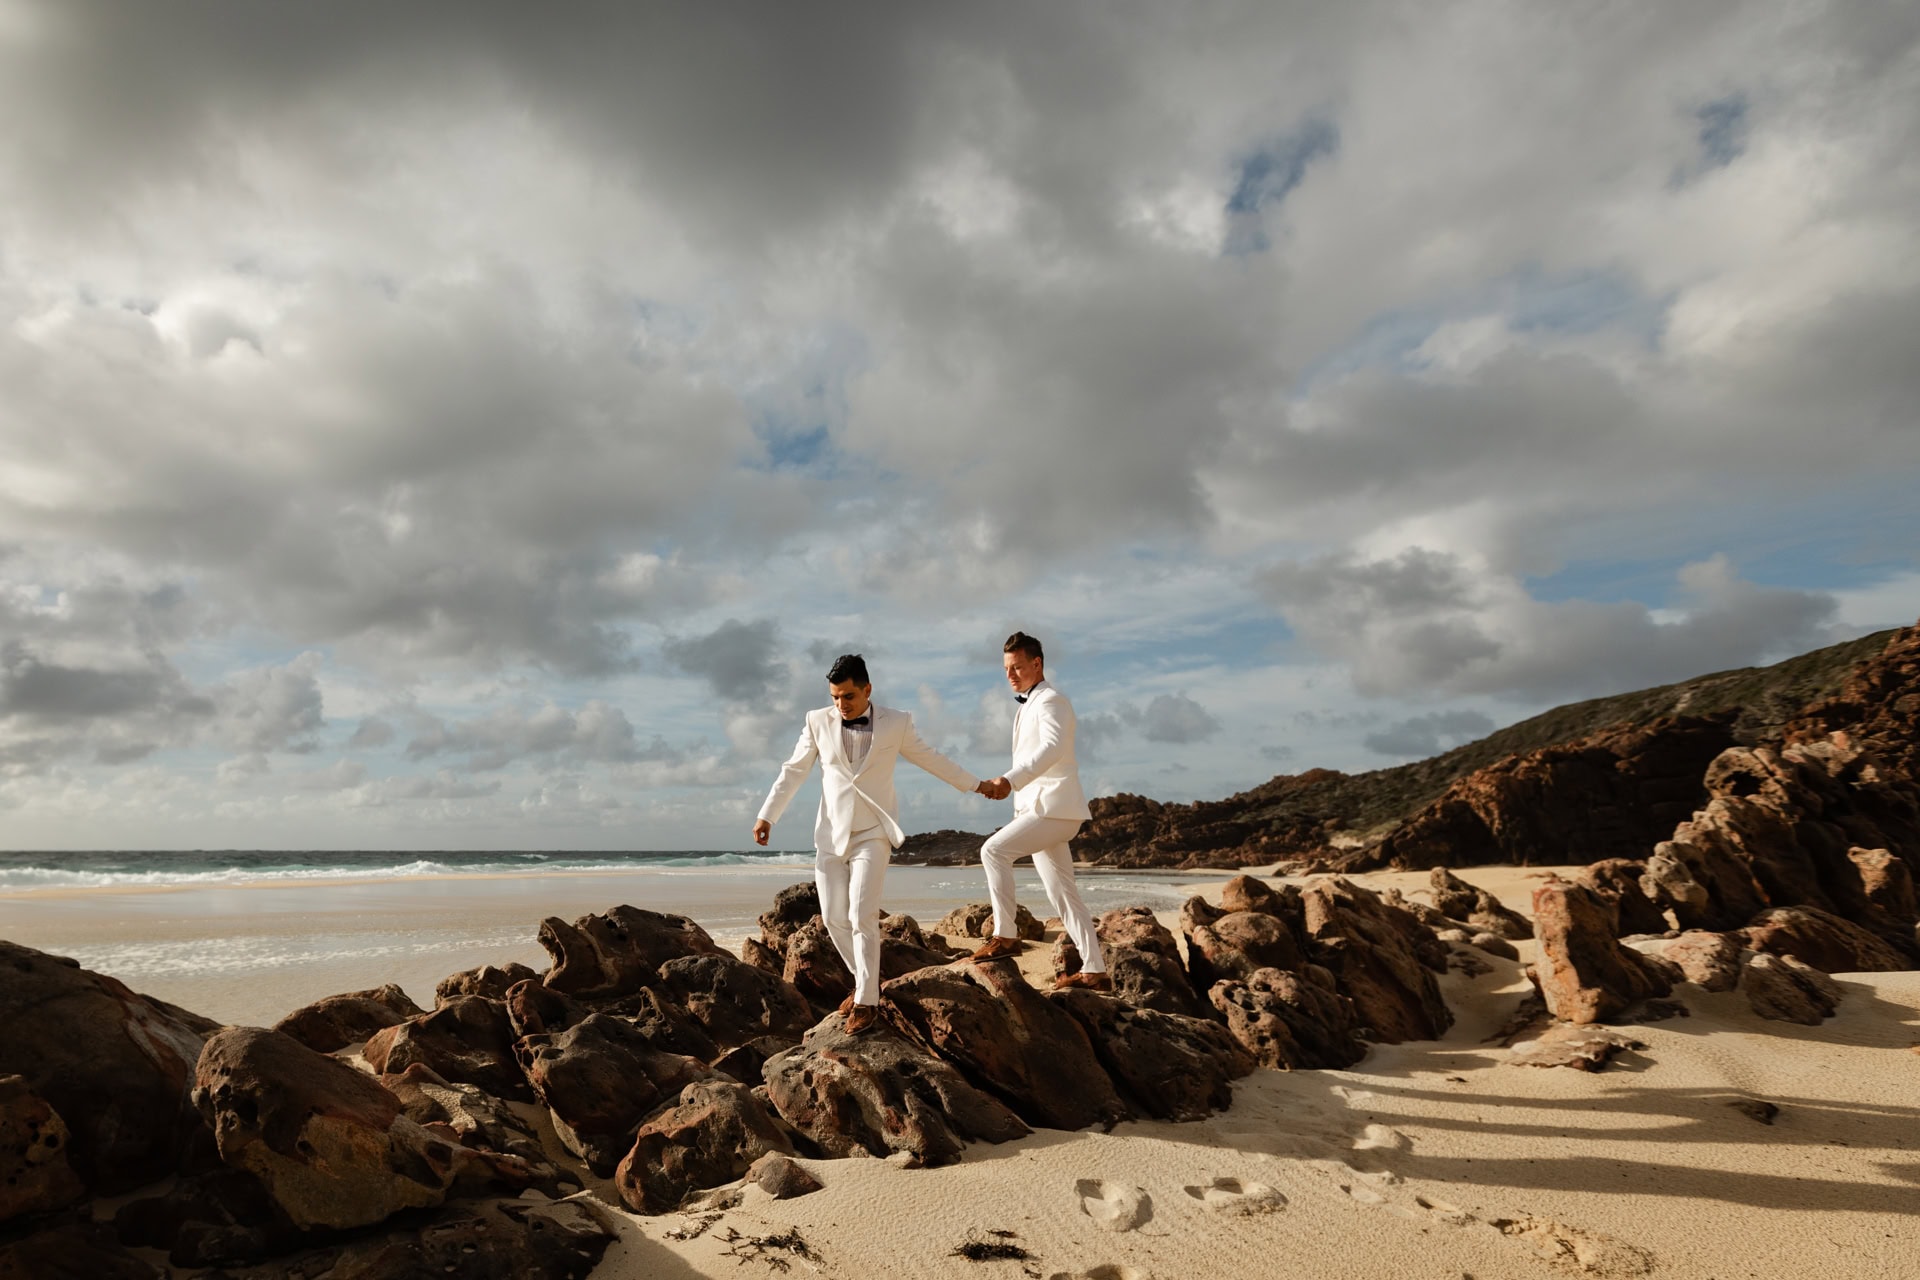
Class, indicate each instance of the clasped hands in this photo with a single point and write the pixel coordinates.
(995, 788)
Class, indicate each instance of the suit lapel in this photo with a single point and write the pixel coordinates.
(873, 740)
(834, 748)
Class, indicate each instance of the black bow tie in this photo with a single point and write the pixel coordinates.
(856, 720)
(1019, 697)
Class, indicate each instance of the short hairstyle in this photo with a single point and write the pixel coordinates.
(1022, 643)
(848, 666)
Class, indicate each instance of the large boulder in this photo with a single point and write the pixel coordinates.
(477, 1120)
(1617, 882)
(975, 920)
(220, 1218)
(1236, 944)
(334, 1022)
(330, 1144)
(1381, 959)
(793, 907)
(114, 1064)
(603, 957)
(1165, 1065)
(1585, 974)
(1011, 1040)
(734, 1001)
(35, 1176)
(600, 1079)
(710, 1138)
(468, 1039)
(1708, 960)
(815, 969)
(1784, 989)
(881, 1094)
(1887, 881)
(1293, 1021)
(1821, 939)
(1143, 959)
(1474, 906)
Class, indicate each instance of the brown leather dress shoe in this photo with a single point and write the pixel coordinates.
(846, 1006)
(998, 947)
(1085, 982)
(863, 1018)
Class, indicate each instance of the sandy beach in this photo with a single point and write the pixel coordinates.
(1430, 1159)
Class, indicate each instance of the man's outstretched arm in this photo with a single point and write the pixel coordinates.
(792, 775)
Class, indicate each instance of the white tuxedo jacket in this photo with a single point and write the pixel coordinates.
(1045, 776)
(842, 785)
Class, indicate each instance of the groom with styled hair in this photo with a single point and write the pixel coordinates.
(856, 742)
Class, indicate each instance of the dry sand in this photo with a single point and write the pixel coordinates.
(1428, 1160)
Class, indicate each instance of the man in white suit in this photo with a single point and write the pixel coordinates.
(1048, 808)
(858, 827)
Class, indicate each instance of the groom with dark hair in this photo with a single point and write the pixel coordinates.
(857, 743)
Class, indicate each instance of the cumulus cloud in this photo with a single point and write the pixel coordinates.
(595, 733)
(736, 659)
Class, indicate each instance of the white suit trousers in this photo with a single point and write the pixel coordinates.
(850, 906)
(1046, 839)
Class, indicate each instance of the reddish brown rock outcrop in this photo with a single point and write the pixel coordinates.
(1585, 975)
(1709, 960)
(35, 1177)
(1786, 990)
(491, 981)
(1291, 1021)
(1617, 881)
(1143, 959)
(1235, 944)
(880, 1094)
(1479, 910)
(735, 1002)
(1878, 708)
(975, 920)
(711, 1137)
(1166, 1066)
(329, 1144)
(1821, 939)
(1381, 959)
(114, 1064)
(600, 1079)
(469, 1039)
(599, 958)
(335, 1022)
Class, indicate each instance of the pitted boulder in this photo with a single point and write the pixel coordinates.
(604, 957)
(491, 981)
(793, 907)
(1475, 907)
(975, 920)
(1452, 896)
(1293, 1021)
(1584, 973)
(534, 1008)
(114, 1064)
(880, 1094)
(476, 1120)
(1244, 893)
(1617, 881)
(338, 1021)
(1143, 959)
(35, 1176)
(330, 1144)
(1165, 1065)
(815, 969)
(468, 1040)
(905, 946)
(1010, 1040)
(761, 956)
(734, 1001)
(1784, 989)
(599, 1080)
(1887, 882)
(1236, 944)
(1823, 940)
(711, 1137)
(1381, 959)
(746, 1062)
(1708, 960)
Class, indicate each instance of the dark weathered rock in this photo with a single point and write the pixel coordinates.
(1887, 881)
(734, 1001)
(468, 1039)
(600, 1079)
(1236, 944)
(781, 1177)
(1165, 1065)
(1011, 1040)
(35, 1176)
(880, 1094)
(710, 1138)
(329, 1143)
(745, 1062)
(761, 956)
(1244, 893)
(1291, 1021)
(815, 969)
(1708, 960)
(793, 907)
(1821, 939)
(1584, 973)
(491, 981)
(1143, 959)
(1617, 881)
(221, 1218)
(1382, 959)
(477, 1120)
(496, 1240)
(975, 920)
(1432, 917)
(1495, 945)
(1452, 896)
(1479, 910)
(72, 1251)
(603, 957)
(1786, 990)
(534, 1008)
(338, 1021)
(116, 1065)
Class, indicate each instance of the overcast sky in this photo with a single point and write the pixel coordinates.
(479, 425)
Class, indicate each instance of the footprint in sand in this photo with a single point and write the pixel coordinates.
(1113, 1205)
(1231, 1195)
(1378, 1137)
(1441, 1211)
(1363, 1195)
(1575, 1250)
(1106, 1271)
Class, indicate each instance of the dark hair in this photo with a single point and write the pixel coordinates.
(848, 666)
(1022, 643)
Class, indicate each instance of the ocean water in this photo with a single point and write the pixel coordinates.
(249, 935)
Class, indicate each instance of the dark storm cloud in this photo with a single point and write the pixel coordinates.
(736, 659)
